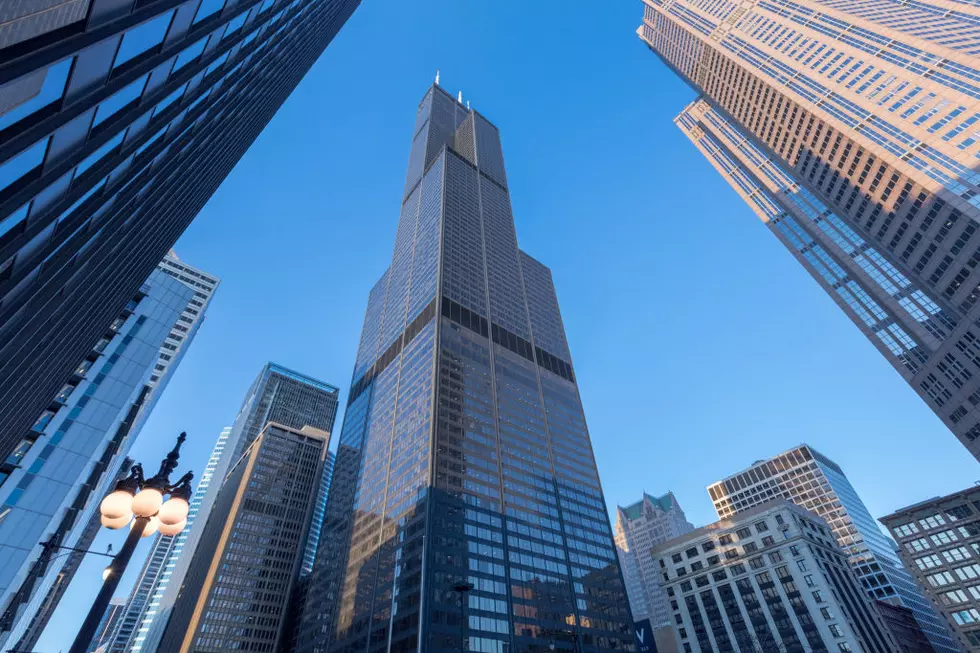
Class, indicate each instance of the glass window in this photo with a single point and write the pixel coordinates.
(170, 99)
(189, 54)
(52, 89)
(143, 37)
(11, 221)
(91, 159)
(207, 8)
(111, 105)
(235, 23)
(21, 164)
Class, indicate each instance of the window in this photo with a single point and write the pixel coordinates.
(964, 617)
(780, 520)
(52, 89)
(725, 539)
(943, 537)
(761, 527)
(808, 579)
(801, 565)
(775, 557)
(835, 630)
(757, 563)
(677, 558)
(957, 554)
(708, 546)
(697, 565)
(928, 562)
(111, 105)
(731, 554)
(189, 54)
(795, 550)
(825, 613)
(93, 158)
(958, 512)
(940, 579)
(686, 586)
(22, 163)
(207, 8)
(817, 596)
(701, 581)
(719, 575)
(905, 530)
(844, 647)
(743, 533)
(713, 560)
(143, 37)
(933, 521)
(691, 553)
(750, 547)
(968, 572)
(737, 569)
(920, 544)
(768, 541)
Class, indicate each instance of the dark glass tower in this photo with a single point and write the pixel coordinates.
(464, 455)
(118, 120)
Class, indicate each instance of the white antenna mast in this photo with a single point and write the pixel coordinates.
(437, 77)
(459, 97)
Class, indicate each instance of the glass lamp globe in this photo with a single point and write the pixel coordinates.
(172, 529)
(174, 510)
(151, 526)
(106, 572)
(116, 522)
(147, 502)
(117, 504)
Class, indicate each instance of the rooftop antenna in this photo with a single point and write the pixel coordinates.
(437, 77)
(459, 97)
(467, 105)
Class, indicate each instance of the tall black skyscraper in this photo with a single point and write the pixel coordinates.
(118, 120)
(464, 455)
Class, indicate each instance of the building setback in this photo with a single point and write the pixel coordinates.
(939, 540)
(814, 482)
(772, 578)
(639, 527)
(119, 120)
(50, 485)
(237, 589)
(464, 455)
(278, 394)
(850, 130)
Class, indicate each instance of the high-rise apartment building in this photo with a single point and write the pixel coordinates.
(814, 482)
(278, 394)
(117, 123)
(107, 627)
(639, 527)
(939, 540)
(769, 579)
(464, 455)
(852, 132)
(240, 579)
(51, 484)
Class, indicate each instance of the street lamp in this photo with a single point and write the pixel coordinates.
(462, 588)
(140, 501)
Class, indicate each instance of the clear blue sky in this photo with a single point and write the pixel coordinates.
(700, 344)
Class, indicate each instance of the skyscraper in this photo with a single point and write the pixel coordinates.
(641, 526)
(118, 121)
(464, 455)
(940, 542)
(108, 625)
(237, 589)
(771, 579)
(814, 482)
(48, 483)
(278, 394)
(851, 130)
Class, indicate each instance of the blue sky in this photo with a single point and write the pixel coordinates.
(700, 344)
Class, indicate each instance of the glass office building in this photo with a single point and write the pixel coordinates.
(851, 129)
(814, 482)
(464, 455)
(118, 120)
(278, 394)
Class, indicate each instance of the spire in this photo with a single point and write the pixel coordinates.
(437, 77)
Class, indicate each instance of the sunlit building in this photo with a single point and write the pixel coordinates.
(852, 129)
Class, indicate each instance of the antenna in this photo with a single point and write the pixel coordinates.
(459, 97)
(437, 77)
(467, 105)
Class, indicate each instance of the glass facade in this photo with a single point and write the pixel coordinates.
(851, 130)
(278, 394)
(49, 481)
(118, 120)
(464, 455)
(814, 482)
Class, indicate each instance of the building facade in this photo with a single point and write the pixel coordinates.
(814, 482)
(464, 455)
(237, 589)
(118, 121)
(49, 480)
(939, 540)
(278, 394)
(107, 627)
(771, 578)
(639, 527)
(851, 131)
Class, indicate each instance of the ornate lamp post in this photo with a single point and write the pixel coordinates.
(140, 501)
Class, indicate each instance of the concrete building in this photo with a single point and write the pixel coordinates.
(119, 121)
(240, 579)
(464, 436)
(278, 394)
(814, 482)
(51, 484)
(939, 540)
(850, 129)
(639, 527)
(771, 578)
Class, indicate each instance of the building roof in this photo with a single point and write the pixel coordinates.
(816, 455)
(903, 512)
(635, 510)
